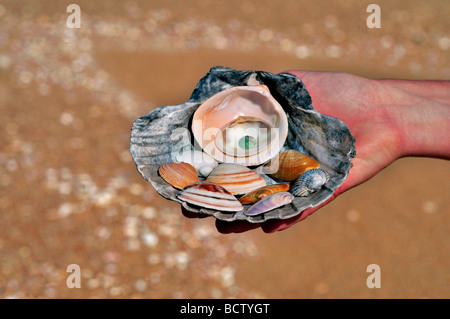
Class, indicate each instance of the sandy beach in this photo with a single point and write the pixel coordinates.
(70, 192)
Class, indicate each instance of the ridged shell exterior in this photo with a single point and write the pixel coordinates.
(210, 195)
(262, 192)
(291, 164)
(236, 179)
(178, 174)
(165, 131)
(269, 203)
(309, 182)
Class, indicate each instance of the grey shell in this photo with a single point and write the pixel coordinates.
(309, 182)
(158, 136)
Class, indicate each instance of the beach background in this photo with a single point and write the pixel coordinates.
(70, 192)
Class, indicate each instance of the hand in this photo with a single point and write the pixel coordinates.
(381, 115)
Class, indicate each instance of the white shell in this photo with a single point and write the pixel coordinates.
(202, 162)
(269, 203)
(259, 116)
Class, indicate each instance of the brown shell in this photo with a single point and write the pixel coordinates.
(178, 174)
(262, 192)
(291, 164)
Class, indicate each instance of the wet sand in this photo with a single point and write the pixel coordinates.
(70, 193)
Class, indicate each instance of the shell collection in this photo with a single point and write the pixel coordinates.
(269, 203)
(247, 145)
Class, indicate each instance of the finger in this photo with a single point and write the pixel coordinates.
(238, 226)
(189, 214)
(356, 176)
(274, 225)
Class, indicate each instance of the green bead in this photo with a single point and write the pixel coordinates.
(247, 142)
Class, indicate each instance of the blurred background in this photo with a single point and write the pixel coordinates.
(70, 192)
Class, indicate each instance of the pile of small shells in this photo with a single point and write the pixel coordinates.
(227, 187)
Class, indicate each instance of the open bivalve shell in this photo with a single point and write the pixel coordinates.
(166, 132)
(241, 125)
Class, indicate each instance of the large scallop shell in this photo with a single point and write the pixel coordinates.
(262, 192)
(290, 164)
(165, 131)
(178, 174)
(210, 195)
(269, 203)
(236, 179)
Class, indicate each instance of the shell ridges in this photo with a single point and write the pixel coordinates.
(235, 178)
(178, 174)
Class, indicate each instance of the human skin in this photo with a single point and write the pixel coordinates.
(389, 119)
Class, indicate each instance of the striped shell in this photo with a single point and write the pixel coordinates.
(262, 192)
(270, 202)
(289, 165)
(202, 162)
(178, 174)
(310, 182)
(210, 195)
(236, 179)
